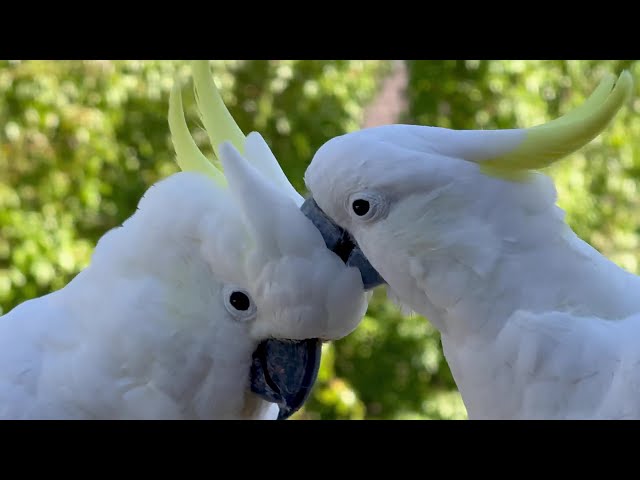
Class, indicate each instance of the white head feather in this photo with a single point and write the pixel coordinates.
(456, 197)
(148, 330)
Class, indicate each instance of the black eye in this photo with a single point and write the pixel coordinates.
(240, 301)
(360, 207)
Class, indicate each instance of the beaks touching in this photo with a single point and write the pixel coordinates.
(340, 242)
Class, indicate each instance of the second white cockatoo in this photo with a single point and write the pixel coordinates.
(535, 323)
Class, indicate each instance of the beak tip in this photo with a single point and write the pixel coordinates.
(340, 242)
(284, 372)
(284, 413)
(370, 276)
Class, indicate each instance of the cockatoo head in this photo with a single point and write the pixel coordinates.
(274, 279)
(399, 191)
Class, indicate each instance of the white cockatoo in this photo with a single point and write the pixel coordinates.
(210, 302)
(535, 323)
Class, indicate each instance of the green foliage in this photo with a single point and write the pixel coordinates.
(81, 141)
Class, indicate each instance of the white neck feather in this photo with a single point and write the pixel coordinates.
(496, 259)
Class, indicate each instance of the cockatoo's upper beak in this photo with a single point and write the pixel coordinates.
(340, 242)
(284, 371)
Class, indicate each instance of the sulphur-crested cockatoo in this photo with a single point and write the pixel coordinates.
(535, 323)
(210, 302)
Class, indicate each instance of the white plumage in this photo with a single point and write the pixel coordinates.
(148, 329)
(535, 323)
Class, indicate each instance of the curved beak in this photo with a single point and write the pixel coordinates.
(340, 242)
(284, 371)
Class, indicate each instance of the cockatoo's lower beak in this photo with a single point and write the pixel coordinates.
(284, 371)
(340, 242)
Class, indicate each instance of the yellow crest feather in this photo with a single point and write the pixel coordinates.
(547, 143)
(188, 155)
(218, 123)
(217, 119)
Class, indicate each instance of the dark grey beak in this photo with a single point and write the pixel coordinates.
(339, 241)
(284, 371)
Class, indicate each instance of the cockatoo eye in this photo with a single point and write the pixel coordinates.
(238, 303)
(367, 206)
(360, 207)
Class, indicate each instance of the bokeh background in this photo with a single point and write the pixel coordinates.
(80, 141)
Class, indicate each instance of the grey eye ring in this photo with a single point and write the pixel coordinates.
(239, 303)
(367, 206)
